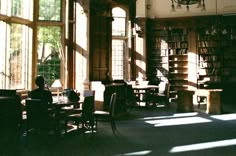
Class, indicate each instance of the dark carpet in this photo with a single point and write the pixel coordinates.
(142, 131)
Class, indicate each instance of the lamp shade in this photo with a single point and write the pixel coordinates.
(56, 84)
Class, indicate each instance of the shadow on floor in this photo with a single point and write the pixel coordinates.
(157, 131)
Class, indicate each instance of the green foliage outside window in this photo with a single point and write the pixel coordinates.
(49, 53)
(50, 10)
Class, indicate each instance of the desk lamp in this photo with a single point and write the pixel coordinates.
(57, 84)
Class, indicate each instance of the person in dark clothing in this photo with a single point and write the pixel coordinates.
(48, 114)
(40, 92)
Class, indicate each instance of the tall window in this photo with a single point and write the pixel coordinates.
(17, 56)
(49, 53)
(16, 47)
(119, 44)
(16, 25)
(16, 61)
(2, 55)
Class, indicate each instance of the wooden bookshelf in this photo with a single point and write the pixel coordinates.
(178, 60)
(209, 58)
(157, 61)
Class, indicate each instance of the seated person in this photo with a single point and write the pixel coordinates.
(48, 117)
(40, 92)
(108, 79)
(43, 94)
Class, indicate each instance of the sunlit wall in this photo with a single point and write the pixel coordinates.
(140, 61)
(81, 44)
(192, 67)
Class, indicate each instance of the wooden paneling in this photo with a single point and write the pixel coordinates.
(100, 41)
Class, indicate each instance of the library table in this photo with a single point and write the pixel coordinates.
(213, 99)
(142, 92)
(185, 101)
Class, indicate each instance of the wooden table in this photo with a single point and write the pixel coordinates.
(185, 101)
(66, 107)
(61, 104)
(213, 99)
(142, 92)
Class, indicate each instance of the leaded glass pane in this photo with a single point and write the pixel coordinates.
(15, 56)
(17, 7)
(117, 59)
(3, 6)
(50, 10)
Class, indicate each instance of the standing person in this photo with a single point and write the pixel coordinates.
(40, 92)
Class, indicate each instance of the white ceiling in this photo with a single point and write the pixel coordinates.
(162, 8)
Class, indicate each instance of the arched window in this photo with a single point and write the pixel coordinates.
(119, 44)
(119, 23)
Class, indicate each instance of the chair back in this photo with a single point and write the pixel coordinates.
(37, 114)
(88, 108)
(7, 92)
(162, 87)
(167, 91)
(164, 90)
(112, 105)
(10, 114)
(88, 93)
(130, 93)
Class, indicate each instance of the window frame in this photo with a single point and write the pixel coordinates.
(6, 20)
(125, 38)
(52, 23)
(30, 23)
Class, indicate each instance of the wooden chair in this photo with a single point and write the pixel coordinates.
(11, 120)
(84, 93)
(162, 95)
(108, 115)
(85, 118)
(70, 109)
(130, 96)
(40, 117)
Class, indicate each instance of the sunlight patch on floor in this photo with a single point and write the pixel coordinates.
(201, 146)
(177, 121)
(224, 117)
(146, 152)
(172, 116)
